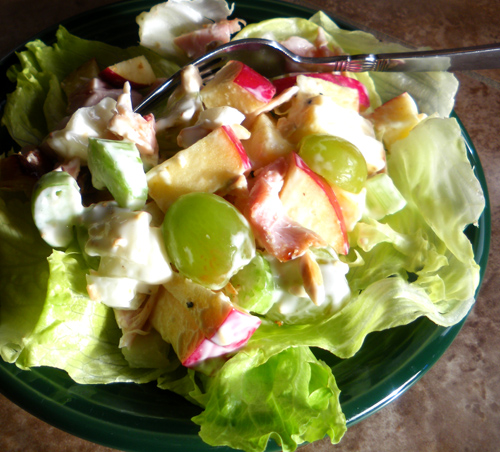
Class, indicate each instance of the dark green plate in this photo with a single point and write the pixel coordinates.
(143, 418)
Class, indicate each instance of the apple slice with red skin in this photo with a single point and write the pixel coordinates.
(199, 323)
(310, 201)
(210, 164)
(238, 86)
(137, 71)
(288, 81)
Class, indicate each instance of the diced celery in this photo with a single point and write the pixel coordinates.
(117, 166)
(56, 204)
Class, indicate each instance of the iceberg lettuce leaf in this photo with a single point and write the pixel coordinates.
(431, 170)
(289, 396)
(23, 273)
(76, 334)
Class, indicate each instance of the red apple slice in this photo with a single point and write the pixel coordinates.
(199, 323)
(137, 71)
(210, 164)
(238, 86)
(310, 201)
(288, 81)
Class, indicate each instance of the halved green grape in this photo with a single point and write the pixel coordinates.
(337, 160)
(207, 239)
(255, 286)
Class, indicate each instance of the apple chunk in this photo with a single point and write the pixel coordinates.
(199, 323)
(137, 71)
(310, 201)
(285, 82)
(210, 164)
(395, 119)
(238, 86)
(265, 143)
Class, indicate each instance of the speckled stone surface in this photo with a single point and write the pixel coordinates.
(455, 407)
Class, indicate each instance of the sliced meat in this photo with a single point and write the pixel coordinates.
(279, 235)
(198, 42)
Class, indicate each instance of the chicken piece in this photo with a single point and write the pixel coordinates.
(135, 128)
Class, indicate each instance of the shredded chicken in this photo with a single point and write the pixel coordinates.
(133, 322)
(133, 127)
(276, 102)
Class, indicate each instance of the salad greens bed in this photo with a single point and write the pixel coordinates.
(405, 264)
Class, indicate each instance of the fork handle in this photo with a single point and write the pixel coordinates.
(461, 59)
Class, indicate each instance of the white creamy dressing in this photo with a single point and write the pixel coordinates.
(130, 250)
(72, 141)
(120, 293)
(292, 305)
(239, 242)
(209, 120)
(185, 103)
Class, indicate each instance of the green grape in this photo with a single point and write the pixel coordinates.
(207, 239)
(255, 285)
(337, 160)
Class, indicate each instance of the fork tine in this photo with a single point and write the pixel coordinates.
(209, 69)
(161, 93)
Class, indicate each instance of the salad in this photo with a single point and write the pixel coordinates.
(213, 244)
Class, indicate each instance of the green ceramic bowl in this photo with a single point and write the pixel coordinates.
(143, 418)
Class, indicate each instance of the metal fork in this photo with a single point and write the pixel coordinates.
(271, 59)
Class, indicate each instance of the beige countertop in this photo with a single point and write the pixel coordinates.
(455, 407)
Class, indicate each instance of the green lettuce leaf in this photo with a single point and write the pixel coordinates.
(431, 170)
(76, 334)
(289, 396)
(23, 273)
